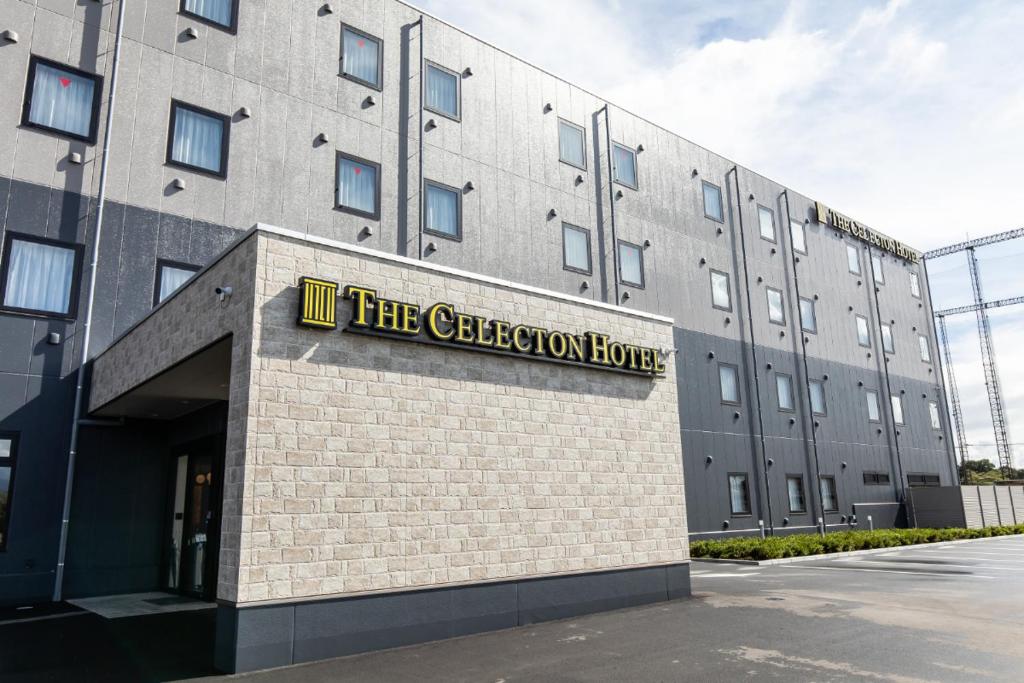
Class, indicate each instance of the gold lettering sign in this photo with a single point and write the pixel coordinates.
(838, 221)
(442, 324)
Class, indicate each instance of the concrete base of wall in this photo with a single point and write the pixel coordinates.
(261, 637)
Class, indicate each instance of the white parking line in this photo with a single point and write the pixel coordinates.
(728, 576)
(939, 566)
(893, 571)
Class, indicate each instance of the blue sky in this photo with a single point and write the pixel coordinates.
(907, 115)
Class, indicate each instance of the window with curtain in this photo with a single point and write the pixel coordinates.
(219, 12)
(713, 208)
(876, 269)
(933, 414)
(358, 186)
(766, 221)
(198, 139)
(571, 144)
(8, 446)
(575, 248)
(443, 215)
(739, 494)
(887, 343)
(926, 354)
(808, 318)
(818, 406)
(624, 165)
(873, 413)
(795, 488)
(631, 264)
(442, 95)
(776, 313)
(797, 235)
(61, 99)
(897, 409)
(40, 276)
(171, 276)
(361, 57)
(863, 333)
(829, 498)
(729, 383)
(853, 259)
(721, 296)
(784, 390)
(915, 285)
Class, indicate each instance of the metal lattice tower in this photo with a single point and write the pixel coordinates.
(954, 394)
(988, 361)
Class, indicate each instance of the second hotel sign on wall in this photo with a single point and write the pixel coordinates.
(441, 324)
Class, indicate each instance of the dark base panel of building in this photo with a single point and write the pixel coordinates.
(251, 638)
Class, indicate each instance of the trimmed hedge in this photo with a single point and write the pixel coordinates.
(799, 545)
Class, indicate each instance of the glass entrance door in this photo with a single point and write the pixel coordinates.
(194, 529)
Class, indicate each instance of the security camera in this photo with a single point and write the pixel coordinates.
(223, 292)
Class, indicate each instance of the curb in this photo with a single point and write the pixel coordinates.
(848, 553)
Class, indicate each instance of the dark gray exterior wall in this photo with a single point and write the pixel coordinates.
(283, 65)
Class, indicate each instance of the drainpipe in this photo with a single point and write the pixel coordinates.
(815, 491)
(753, 352)
(419, 136)
(611, 204)
(87, 324)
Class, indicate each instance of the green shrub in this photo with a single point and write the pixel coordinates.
(800, 545)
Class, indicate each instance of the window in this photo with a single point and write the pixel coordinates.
(897, 409)
(575, 248)
(624, 165)
(8, 451)
(926, 354)
(776, 313)
(223, 13)
(795, 488)
(829, 499)
(198, 139)
(40, 276)
(933, 413)
(721, 296)
(808, 320)
(887, 343)
(362, 58)
(631, 264)
(572, 144)
(729, 383)
(876, 478)
(443, 96)
(915, 285)
(853, 259)
(873, 413)
(784, 390)
(798, 237)
(818, 406)
(713, 202)
(61, 99)
(358, 186)
(169, 277)
(739, 494)
(766, 220)
(863, 333)
(876, 269)
(443, 210)
(915, 480)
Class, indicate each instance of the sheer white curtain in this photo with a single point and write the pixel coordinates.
(218, 11)
(62, 100)
(570, 144)
(577, 248)
(442, 210)
(357, 185)
(624, 165)
(630, 264)
(729, 383)
(197, 139)
(361, 57)
(442, 91)
(738, 494)
(39, 277)
(171, 278)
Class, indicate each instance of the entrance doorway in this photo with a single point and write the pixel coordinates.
(194, 530)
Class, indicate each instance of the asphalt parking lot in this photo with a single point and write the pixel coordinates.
(948, 612)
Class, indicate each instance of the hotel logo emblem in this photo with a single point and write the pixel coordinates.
(318, 305)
